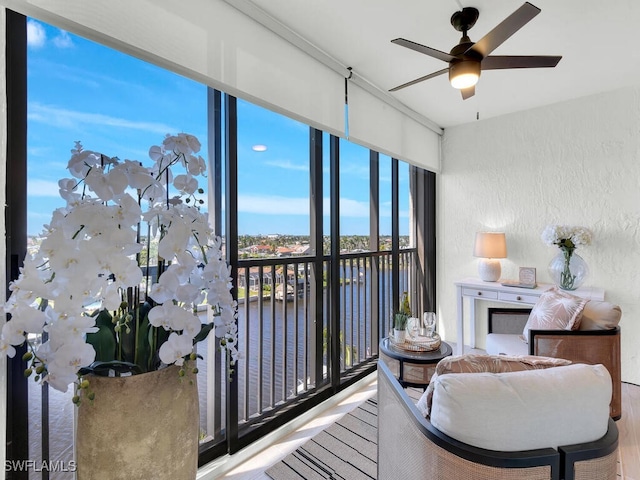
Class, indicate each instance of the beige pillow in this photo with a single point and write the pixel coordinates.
(478, 363)
(555, 310)
(600, 316)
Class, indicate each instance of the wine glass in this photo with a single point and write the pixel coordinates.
(429, 323)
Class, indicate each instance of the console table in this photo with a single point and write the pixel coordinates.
(475, 289)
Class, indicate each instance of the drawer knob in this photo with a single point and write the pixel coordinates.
(518, 298)
(479, 294)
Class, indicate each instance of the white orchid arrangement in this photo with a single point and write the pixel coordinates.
(566, 237)
(84, 301)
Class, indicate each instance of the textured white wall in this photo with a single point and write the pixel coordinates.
(576, 163)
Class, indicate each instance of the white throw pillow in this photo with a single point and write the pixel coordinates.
(524, 410)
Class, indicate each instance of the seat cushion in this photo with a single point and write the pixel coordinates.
(524, 410)
(506, 344)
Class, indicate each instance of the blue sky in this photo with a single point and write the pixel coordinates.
(120, 106)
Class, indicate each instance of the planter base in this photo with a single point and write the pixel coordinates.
(139, 427)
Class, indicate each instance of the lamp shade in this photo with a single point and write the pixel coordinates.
(490, 245)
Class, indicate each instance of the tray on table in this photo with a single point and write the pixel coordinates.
(417, 344)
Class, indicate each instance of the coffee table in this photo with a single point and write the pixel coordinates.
(412, 369)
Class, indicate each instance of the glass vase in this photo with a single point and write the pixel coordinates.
(568, 270)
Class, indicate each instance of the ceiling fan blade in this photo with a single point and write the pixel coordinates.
(504, 30)
(497, 62)
(432, 52)
(421, 79)
(468, 92)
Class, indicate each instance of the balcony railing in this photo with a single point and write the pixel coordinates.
(282, 362)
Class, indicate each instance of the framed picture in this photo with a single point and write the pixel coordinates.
(527, 275)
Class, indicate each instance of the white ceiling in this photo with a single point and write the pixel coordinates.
(597, 40)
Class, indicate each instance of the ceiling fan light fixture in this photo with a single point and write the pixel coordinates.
(464, 74)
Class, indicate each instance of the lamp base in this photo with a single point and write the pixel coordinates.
(489, 269)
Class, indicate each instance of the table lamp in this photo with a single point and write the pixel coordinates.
(489, 247)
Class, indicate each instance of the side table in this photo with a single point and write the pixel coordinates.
(413, 369)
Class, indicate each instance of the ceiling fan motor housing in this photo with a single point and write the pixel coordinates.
(465, 19)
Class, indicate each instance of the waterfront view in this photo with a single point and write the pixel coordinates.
(309, 322)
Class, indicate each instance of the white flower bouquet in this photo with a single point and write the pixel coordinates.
(565, 236)
(85, 300)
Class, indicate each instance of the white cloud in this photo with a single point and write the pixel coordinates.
(273, 205)
(278, 205)
(63, 40)
(36, 36)
(288, 165)
(61, 117)
(350, 208)
(42, 188)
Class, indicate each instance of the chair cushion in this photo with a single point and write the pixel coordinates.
(524, 410)
(555, 310)
(506, 344)
(600, 316)
(477, 363)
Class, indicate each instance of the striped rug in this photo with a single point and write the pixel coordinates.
(347, 450)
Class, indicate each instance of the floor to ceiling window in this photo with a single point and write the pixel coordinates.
(310, 316)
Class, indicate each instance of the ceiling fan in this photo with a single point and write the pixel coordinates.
(467, 58)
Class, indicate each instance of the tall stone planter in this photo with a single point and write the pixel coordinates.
(139, 427)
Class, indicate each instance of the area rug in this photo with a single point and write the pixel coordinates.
(347, 450)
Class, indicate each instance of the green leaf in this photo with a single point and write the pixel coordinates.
(104, 340)
(143, 354)
(102, 368)
(204, 332)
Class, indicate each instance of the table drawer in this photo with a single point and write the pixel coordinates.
(479, 293)
(518, 298)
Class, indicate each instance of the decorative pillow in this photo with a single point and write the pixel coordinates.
(477, 363)
(600, 316)
(555, 310)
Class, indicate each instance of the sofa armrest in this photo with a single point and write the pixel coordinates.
(584, 346)
(410, 447)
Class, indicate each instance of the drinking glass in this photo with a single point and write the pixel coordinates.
(429, 323)
(413, 327)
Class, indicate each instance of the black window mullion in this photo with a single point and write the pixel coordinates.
(395, 236)
(334, 264)
(17, 447)
(231, 223)
(316, 242)
(374, 246)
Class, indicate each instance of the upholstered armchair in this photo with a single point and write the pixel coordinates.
(500, 426)
(595, 341)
